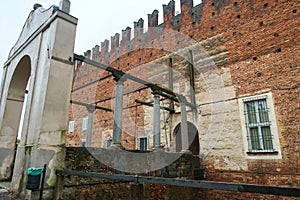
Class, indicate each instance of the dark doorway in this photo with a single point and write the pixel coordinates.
(193, 138)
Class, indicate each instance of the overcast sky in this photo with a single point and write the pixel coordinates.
(97, 19)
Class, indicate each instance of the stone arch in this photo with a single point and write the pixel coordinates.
(193, 134)
(12, 115)
(43, 53)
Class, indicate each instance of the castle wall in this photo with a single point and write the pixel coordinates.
(239, 49)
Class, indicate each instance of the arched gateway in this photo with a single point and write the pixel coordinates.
(43, 54)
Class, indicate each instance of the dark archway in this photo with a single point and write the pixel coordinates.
(12, 115)
(194, 147)
(193, 138)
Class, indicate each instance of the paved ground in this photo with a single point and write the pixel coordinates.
(4, 193)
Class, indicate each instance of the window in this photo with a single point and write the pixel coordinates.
(108, 143)
(143, 143)
(71, 126)
(83, 142)
(259, 129)
(258, 126)
(84, 123)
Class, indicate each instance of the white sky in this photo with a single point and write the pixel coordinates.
(97, 20)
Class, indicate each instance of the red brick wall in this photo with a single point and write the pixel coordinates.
(81, 159)
(263, 44)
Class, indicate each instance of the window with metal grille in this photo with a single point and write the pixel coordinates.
(258, 125)
(143, 143)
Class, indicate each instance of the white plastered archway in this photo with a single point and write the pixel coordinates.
(11, 108)
(43, 52)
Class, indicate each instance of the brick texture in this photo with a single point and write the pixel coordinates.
(255, 46)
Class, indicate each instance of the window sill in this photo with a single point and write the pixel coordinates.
(262, 152)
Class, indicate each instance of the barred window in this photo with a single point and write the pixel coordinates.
(259, 136)
(143, 143)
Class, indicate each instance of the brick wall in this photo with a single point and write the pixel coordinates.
(254, 47)
(81, 159)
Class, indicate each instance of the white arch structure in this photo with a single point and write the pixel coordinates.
(43, 53)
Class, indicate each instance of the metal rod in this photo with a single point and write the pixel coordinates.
(237, 187)
(151, 105)
(43, 181)
(167, 96)
(96, 107)
(96, 175)
(91, 83)
(127, 93)
(120, 74)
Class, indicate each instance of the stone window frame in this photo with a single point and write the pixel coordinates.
(147, 143)
(276, 152)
